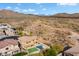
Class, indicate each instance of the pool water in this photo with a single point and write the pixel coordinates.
(40, 47)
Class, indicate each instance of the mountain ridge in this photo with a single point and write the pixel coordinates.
(10, 13)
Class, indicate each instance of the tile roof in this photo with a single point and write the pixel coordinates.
(73, 50)
(7, 42)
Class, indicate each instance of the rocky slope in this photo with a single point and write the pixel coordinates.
(54, 28)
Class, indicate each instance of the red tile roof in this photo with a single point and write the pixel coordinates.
(8, 42)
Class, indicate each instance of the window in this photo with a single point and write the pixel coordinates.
(26, 42)
(31, 45)
(39, 25)
(69, 37)
(0, 54)
(5, 52)
(69, 54)
(36, 42)
(7, 48)
(12, 53)
(16, 51)
(45, 39)
(78, 39)
(33, 40)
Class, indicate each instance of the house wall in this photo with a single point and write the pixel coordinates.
(68, 54)
(10, 51)
(10, 32)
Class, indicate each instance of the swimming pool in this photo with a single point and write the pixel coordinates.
(40, 46)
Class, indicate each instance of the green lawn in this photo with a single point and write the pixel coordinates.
(32, 50)
(37, 54)
(20, 54)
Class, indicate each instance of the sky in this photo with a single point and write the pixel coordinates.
(41, 8)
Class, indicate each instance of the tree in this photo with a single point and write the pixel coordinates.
(58, 47)
(54, 50)
(20, 28)
(21, 33)
(50, 52)
(31, 33)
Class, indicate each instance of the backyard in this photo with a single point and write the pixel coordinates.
(34, 49)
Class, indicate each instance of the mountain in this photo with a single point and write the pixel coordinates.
(12, 14)
(14, 18)
(55, 27)
(20, 19)
(66, 15)
(9, 13)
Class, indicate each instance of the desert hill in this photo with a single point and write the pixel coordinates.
(55, 27)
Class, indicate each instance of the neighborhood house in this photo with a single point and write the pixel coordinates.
(29, 41)
(8, 41)
(9, 47)
(74, 51)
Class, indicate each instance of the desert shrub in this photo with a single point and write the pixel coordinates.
(58, 47)
(50, 52)
(20, 33)
(54, 50)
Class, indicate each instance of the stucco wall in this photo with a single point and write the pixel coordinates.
(11, 50)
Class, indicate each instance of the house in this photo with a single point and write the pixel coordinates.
(9, 47)
(6, 29)
(74, 51)
(9, 44)
(4, 37)
(9, 32)
(73, 39)
(4, 25)
(1, 32)
(30, 41)
(74, 36)
(33, 44)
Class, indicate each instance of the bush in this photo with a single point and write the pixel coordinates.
(31, 33)
(58, 47)
(20, 54)
(54, 50)
(50, 52)
(21, 33)
(20, 28)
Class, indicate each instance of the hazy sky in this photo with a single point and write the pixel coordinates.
(41, 8)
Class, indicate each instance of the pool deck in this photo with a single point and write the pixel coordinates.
(34, 49)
